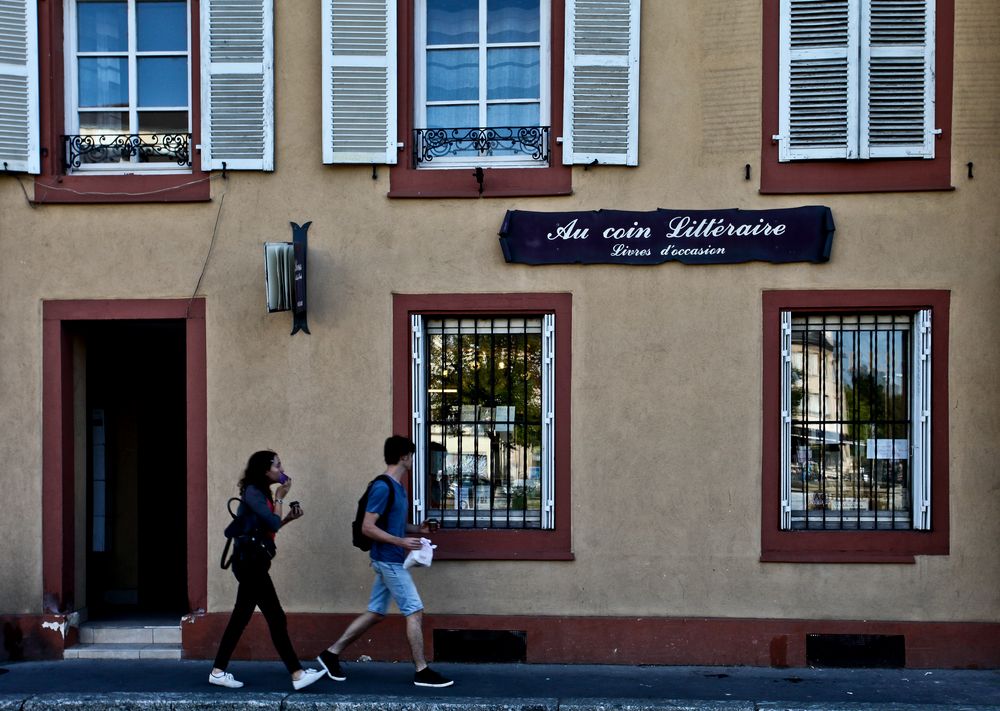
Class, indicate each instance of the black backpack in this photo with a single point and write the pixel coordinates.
(359, 539)
(249, 546)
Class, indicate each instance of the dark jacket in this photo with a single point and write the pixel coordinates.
(254, 514)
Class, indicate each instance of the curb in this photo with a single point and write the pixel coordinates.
(281, 701)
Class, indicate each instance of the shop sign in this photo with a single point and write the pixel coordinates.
(797, 234)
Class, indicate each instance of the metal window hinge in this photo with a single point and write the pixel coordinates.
(777, 137)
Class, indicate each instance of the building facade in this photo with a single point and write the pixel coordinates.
(689, 306)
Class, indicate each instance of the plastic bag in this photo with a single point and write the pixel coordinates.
(421, 558)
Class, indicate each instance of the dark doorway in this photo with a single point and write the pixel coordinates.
(136, 467)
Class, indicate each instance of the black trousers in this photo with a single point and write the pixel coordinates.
(256, 590)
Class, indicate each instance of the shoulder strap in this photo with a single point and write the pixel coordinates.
(388, 481)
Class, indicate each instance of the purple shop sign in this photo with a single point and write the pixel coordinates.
(796, 234)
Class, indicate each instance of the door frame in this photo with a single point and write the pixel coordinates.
(58, 472)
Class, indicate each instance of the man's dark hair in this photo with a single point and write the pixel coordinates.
(396, 447)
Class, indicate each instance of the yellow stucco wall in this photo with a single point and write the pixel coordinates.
(666, 391)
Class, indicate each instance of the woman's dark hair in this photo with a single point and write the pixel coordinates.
(256, 472)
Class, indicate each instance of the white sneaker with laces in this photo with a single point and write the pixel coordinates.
(225, 679)
(308, 677)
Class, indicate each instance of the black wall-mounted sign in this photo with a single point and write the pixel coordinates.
(285, 276)
(797, 234)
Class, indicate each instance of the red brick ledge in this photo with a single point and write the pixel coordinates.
(36, 636)
(619, 640)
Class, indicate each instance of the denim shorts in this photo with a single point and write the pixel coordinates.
(392, 579)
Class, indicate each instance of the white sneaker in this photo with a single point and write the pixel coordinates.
(308, 677)
(225, 679)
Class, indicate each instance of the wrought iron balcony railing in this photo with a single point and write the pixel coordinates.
(529, 143)
(94, 149)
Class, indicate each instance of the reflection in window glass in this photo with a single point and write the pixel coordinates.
(851, 422)
(103, 81)
(162, 81)
(484, 390)
(161, 25)
(102, 26)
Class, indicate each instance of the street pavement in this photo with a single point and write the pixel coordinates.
(81, 685)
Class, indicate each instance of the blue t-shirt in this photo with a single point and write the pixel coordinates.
(377, 499)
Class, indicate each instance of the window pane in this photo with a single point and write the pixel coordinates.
(94, 122)
(103, 81)
(452, 117)
(102, 26)
(512, 73)
(484, 416)
(100, 142)
(850, 389)
(512, 21)
(163, 81)
(452, 75)
(512, 115)
(161, 25)
(452, 22)
(165, 134)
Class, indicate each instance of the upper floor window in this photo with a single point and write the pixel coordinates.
(128, 85)
(857, 79)
(854, 90)
(482, 82)
(518, 89)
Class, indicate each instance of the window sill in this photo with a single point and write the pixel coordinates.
(406, 182)
(499, 544)
(870, 176)
(130, 188)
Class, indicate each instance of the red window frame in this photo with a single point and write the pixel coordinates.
(857, 176)
(406, 181)
(495, 544)
(852, 546)
(52, 185)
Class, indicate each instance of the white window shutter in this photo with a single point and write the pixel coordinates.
(549, 421)
(601, 112)
(921, 418)
(818, 79)
(786, 420)
(237, 84)
(897, 79)
(359, 81)
(19, 148)
(418, 404)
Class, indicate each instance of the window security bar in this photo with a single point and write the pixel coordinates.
(518, 141)
(122, 148)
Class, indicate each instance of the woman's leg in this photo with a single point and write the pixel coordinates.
(277, 624)
(246, 601)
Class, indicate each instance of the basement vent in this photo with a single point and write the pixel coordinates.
(860, 651)
(481, 646)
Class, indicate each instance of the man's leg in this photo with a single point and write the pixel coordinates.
(415, 636)
(361, 624)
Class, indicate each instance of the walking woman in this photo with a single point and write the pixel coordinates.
(260, 512)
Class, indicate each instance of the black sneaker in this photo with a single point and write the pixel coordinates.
(331, 662)
(429, 677)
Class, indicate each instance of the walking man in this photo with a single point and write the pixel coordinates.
(388, 531)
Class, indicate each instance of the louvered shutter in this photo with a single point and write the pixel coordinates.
(19, 149)
(818, 87)
(359, 81)
(601, 113)
(897, 79)
(237, 84)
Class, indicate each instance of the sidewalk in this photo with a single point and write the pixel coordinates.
(159, 685)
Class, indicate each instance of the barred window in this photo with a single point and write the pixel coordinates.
(482, 419)
(856, 421)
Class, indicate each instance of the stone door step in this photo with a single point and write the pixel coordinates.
(123, 640)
